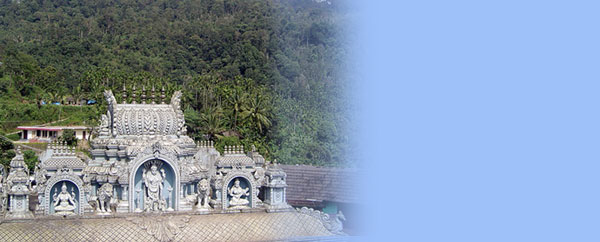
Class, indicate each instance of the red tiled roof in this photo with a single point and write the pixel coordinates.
(50, 128)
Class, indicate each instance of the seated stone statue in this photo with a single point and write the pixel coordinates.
(64, 202)
(236, 192)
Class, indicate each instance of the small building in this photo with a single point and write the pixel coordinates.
(49, 133)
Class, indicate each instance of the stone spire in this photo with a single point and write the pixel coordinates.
(153, 96)
(162, 95)
(124, 94)
(133, 96)
(19, 188)
(143, 94)
(18, 161)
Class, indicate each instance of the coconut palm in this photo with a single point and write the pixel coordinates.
(237, 99)
(256, 112)
(212, 121)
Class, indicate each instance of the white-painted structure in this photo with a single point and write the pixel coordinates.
(49, 133)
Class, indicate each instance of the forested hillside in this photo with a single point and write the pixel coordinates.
(268, 73)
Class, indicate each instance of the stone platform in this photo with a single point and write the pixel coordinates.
(259, 226)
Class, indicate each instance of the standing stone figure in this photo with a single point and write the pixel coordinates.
(64, 202)
(153, 200)
(236, 192)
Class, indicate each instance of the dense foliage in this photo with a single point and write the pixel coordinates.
(68, 136)
(6, 151)
(31, 159)
(265, 73)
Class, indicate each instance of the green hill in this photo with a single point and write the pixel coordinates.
(253, 72)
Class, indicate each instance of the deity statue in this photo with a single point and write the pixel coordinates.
(153, 199)
(236, 192)
(64, 203)
(203, 194)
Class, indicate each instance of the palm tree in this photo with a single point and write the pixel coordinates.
(212, 121)
(238, 99)
(77, 95)
(256, 112)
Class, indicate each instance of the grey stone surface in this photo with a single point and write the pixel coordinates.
(178, 227)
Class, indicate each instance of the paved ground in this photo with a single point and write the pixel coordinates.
(215, 227)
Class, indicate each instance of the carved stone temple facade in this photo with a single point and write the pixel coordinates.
(142, 161)
(146, 180)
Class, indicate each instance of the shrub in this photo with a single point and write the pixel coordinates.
(68, 136)
(14, 137)
(31, 159)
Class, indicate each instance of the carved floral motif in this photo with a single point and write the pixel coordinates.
(334, 225)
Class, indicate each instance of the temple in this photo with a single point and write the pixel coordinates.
(143, 163)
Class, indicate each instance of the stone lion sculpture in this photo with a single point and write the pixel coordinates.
(103, 202)
(203, 194)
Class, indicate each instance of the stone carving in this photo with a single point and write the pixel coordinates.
(176, 104)
(62, 175)
(112, 106)
(259, 175)
(163, 228)
(136, 138)
(104, 129)
(64, 202)
(104, 203)
(334, 225)
(18, 188)
(176, 100)
(147, 120)
(154, 182)
(40, 176)
(237, 192)
(203, 194)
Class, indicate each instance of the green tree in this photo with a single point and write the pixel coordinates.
(257, 113)
(31, 159)
(69, 137)
(6, 157)
(212, 122)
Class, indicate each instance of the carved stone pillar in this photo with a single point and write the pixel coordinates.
(124, 193)
(123, 206)
(274, 198)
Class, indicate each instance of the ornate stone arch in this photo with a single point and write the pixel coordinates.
(60, 177)
(251, 182)
(139, 161)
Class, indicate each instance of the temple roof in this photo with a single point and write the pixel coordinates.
(59, 162)
(18, 161)
(134, 119)
(258, 226)
(312, 183)
(235, 156)
(145, 119)
(60, 155)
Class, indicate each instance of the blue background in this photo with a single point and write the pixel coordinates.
(479, 120)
